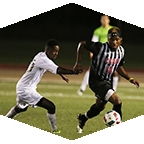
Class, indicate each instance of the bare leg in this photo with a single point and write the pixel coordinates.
(117, 104)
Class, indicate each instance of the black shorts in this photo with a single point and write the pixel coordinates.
(100, 88)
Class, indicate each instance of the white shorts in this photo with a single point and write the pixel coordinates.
(27, 97)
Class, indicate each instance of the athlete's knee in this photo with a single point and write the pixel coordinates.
(115, 100)
(119, 101)
(48, 105)
(101, 107)
(101, 104)
(18, 109)
(52, 108)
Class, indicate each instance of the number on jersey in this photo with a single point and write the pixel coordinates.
(31, 66)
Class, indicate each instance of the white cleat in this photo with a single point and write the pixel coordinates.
(80, 92)
(79, 130)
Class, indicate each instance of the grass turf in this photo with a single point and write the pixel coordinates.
(69, 105)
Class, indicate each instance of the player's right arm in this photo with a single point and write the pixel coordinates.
(90, 46)
(78, 66)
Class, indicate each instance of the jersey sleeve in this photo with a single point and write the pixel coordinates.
(123, 56)
(93, 47)
(51, 67)
(47, 64)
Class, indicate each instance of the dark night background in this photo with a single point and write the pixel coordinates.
(69, 25)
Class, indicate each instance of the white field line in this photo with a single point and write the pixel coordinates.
(66, 87)
(135, 90)
(121, 86)
(123, 83)
(127, 84)
(3, 93)
(57, 87)
(133, 97)
(89, 96)
(121, 89)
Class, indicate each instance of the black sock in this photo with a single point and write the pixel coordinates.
(94, 111)
(117, 108)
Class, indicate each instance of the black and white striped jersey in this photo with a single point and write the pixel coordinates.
(105, 60)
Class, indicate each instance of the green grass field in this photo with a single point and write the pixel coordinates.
(69, 105)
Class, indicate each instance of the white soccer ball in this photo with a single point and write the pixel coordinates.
(112, 118)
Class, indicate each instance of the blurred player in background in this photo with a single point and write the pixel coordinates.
(99, 35)
(107, 58)
(26, 86)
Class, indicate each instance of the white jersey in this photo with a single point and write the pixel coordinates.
(39, 65)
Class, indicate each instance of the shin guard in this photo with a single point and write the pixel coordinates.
(94, 111)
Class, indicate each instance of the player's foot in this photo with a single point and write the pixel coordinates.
(80, 92)
(57, 131)
(79, 130)
(82, 119)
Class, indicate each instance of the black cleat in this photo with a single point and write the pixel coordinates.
(82, 119)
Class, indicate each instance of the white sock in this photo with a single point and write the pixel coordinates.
(115, 82)
(12, 113)
(52, 121)
(85, 81)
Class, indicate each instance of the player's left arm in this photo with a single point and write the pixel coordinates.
(121, 71)
(64, 77)
(62, 71)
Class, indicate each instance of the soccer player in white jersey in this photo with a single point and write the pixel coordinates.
(107, 58)
(26, 86)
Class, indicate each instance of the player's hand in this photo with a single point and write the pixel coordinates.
(78, 68)
(135, 82)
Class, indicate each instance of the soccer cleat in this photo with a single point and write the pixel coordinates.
(79, 130)
(82, 119)
(80, 92)
(57, 131)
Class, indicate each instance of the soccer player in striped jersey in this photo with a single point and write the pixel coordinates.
(107, 58)
(26, 86)
(99, 35)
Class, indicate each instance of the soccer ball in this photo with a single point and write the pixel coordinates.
(112, 118)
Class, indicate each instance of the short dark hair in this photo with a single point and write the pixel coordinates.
(51, 43)
(115, 31)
